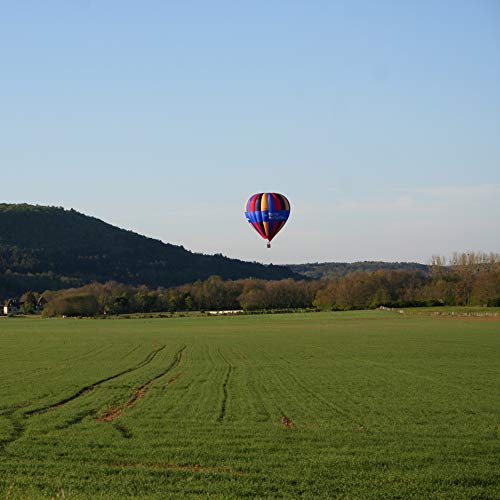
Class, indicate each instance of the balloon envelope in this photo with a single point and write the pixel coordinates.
(267, 213)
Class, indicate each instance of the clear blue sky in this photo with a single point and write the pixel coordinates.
(380, 121)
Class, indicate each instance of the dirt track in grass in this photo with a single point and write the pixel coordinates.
(115, 411)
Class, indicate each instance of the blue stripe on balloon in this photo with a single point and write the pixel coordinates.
(278, 215)
(271, 203)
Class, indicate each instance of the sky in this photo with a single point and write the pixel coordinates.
(380, 121)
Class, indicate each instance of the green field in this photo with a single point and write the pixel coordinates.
(376, 405)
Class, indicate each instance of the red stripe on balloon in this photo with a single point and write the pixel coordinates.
(277, 201)
(278, 228)
(252, 202)
(257, 226)
(272, 232)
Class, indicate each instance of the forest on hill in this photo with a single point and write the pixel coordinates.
(52, 248)
(318, 270)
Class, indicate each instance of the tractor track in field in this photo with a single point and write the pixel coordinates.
(90, 353)
(132, 350)
(254, 384)
(18, 422)
(336, 408)
(76, 419)
(177, 467)
(115, 411)
(428, 378)
(88, 388)
(18, 428)
(172, 380)
(230, 367)
(63, 362)
(125, 433)
(10, 409)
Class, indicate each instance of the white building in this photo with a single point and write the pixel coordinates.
(12, 306)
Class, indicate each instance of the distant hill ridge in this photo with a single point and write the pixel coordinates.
(45, 247)
(338, 269)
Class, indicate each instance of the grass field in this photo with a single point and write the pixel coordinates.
(367, 404)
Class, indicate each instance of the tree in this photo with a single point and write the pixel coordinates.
(253, 296)
(73, 305)
(29, 300)
(325, 296)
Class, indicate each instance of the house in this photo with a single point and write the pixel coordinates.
(12, 306)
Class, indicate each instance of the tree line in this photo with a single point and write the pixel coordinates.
(465, 279)
(213, 293)
(462, 280)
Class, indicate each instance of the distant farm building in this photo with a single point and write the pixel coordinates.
(12, 306)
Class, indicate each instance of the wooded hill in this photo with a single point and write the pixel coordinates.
(52, 248)
(318, 270)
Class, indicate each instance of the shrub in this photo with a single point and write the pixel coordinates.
(73, 305)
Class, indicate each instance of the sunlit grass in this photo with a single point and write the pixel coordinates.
(380, 405)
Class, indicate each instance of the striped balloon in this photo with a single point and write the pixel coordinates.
(267, 213)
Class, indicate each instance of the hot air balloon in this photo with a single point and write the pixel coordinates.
(267, 213)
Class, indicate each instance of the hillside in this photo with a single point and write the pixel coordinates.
(338, 269)
(51, 248)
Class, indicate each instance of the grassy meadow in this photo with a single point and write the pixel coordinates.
(353, 405)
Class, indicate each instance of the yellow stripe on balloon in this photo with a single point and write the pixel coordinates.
(264, 205)
(266, 228)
